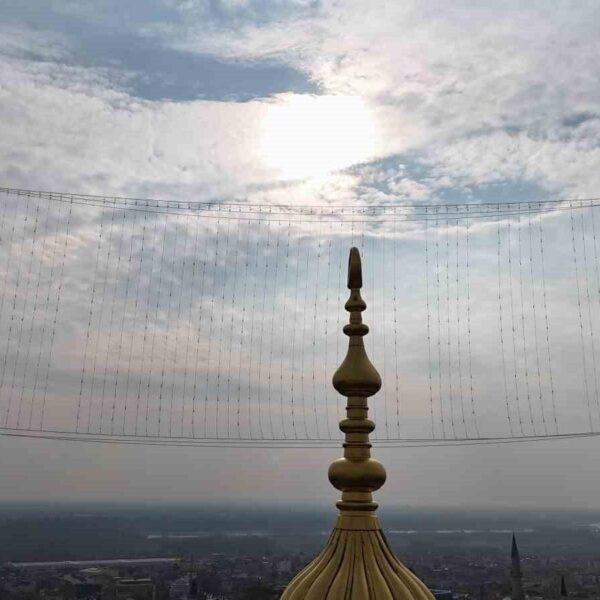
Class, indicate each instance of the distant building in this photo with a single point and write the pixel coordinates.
(180, 588)
(516, 576)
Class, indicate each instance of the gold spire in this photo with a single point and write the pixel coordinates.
(356, 563)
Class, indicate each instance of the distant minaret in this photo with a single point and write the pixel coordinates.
(563, 587)
(516, 576)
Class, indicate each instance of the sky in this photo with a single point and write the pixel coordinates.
(319, 103)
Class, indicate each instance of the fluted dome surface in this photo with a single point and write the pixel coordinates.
(356, 564)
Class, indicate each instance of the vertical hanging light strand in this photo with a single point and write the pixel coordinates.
(395, 315)
(24, 310)
(252, 320)
(56, 311)
(535, 327)
(448, 328)
(589, 303)
(579, 313)
(383, 333)
(546, 321)
(272, 332)
(224, 273)
(242, 329)
(182, 282)
(99, 324)
(597, 273)
(458, 336)
(293, 344)
(469, 350)
(523, 332)
(132, 340)
(513, 328)
(282, 335)
(47, 309)
(13, 304)
(326, 360)
(501, 323)
(266, 253)
(439, 319)
(428, 309)
(155, 327)
(303, 337)
(190, 324)
(233, 312)
(111, 319)
(315, 329)
(32, 323)
(124, 310)
(165, 348)
(148, 306)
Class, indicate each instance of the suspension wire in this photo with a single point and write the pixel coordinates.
(243, 205)
(190, 326)
(266, 252)
(597, 272)
(395, 316)
(583, 353)
(155, 326)
(251, 346)
(177, 328)
(522, 302)
(546, 323)
(293, 348)
(338, 311)
(221, 325)
(283, 334)
(21, 320)
(272, 332)
(589, 306)
(458, 335)
(439, 324)
(132, 340)
(314, 334)
(501, 321)
(373, 213)
(242, 333)
(448, 328)
(89, 325)
(535, 326)
(46, 314)
(326, 361)
(145, 336)
(55, 317)
(303, 337)
(469, 351)
(36, 298)
(428, 308)
(165, 334)
(110, 322)
(97, 345)
(5, 287)
(123, 311)
(513, 328)
(383, 335)
(231, 330)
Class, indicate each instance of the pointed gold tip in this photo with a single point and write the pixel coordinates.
(354, 270)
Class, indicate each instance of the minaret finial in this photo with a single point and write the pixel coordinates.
(356, 563)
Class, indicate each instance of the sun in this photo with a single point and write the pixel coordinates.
(309, 136)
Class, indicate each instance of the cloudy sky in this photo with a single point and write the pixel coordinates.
(302, 103)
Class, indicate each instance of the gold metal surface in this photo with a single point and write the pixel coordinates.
(357, 562)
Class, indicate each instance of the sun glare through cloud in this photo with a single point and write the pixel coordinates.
(310, 136)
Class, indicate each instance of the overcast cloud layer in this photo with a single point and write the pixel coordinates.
(195, 100)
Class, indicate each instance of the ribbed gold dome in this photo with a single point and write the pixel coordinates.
(357, 562)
